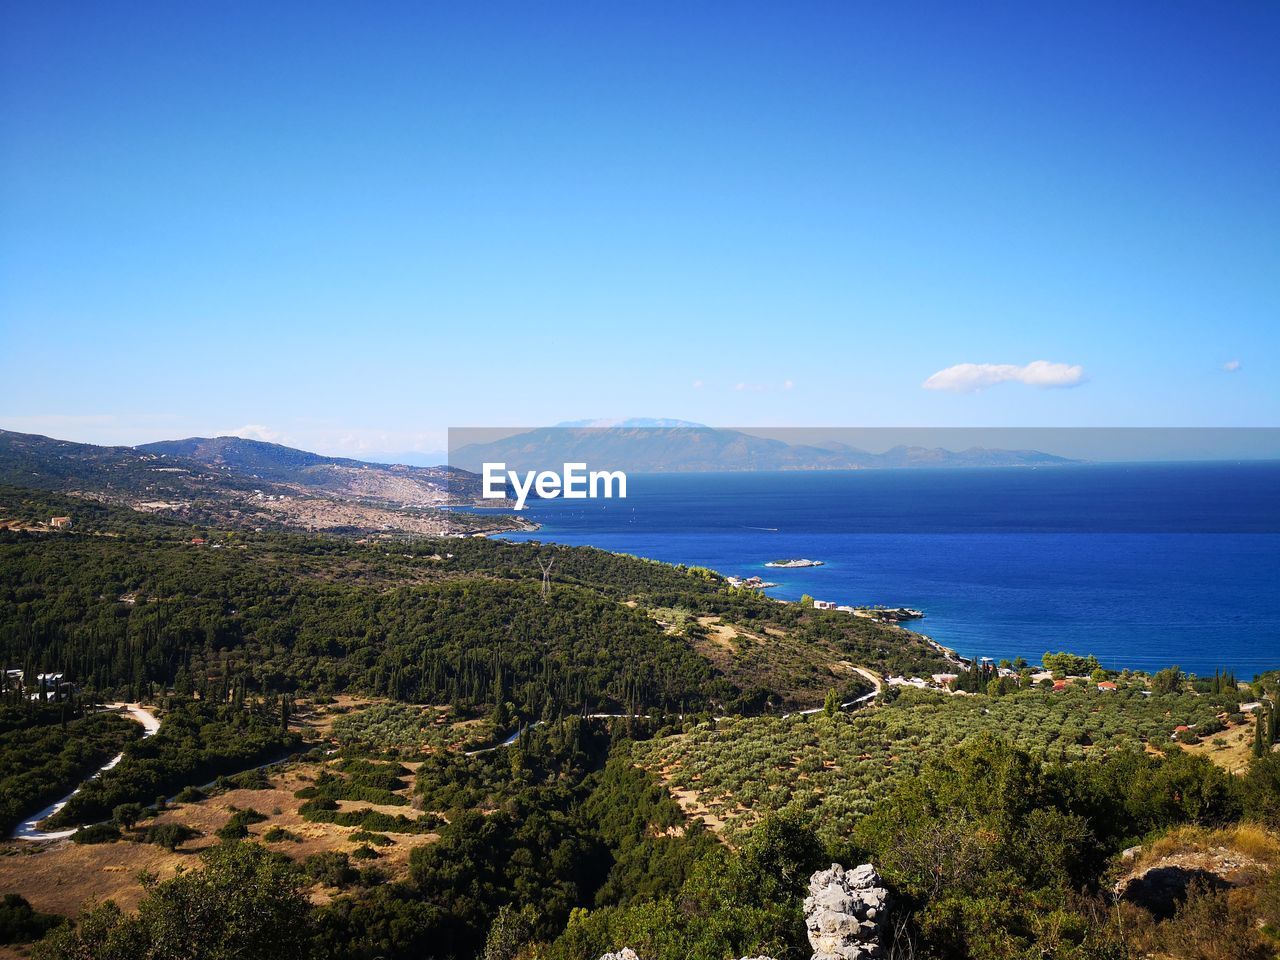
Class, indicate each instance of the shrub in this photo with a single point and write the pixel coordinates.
(96, 833)
(250, 780)
(332, 869)
(169, 835)
(365, 836)
(19, 923)
(238, 826)
(127, 814)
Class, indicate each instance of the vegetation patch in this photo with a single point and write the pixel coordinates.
(838, 767)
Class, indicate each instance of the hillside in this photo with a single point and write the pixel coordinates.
(438, 621)
(398, 484)
(459, 765)
(249, 485)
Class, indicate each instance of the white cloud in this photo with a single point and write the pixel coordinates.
(1231, 366)
(971, 377)
(256, 431)
(788, 385)
(699, 384)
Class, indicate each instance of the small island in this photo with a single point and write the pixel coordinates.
(790, 564)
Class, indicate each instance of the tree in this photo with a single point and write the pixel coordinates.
(1000, 686)
(1071, 664)
(127, 814)
(243, 903)
(831, 706)
(1260, 789)
(170, 835)
(511, 930)
(1169, 680)
(19, 923)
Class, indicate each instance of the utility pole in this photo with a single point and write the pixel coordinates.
(546, 576)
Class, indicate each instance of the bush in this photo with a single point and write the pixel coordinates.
(96, 833)
(279, 835)
(243, 902)
(332, 869)
(169, 835)
(238, 826)
(19, 923)
(365, 836)
(127, 814)
(250, 780)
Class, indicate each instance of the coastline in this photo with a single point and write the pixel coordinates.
(1076, 568)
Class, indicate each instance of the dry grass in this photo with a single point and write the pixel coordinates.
(1234, 757)
(65, 877)
(721, 633)
(1244, 841)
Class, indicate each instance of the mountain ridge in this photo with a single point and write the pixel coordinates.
(248, 483)
(695, 448)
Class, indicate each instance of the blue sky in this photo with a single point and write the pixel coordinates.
(350, 227)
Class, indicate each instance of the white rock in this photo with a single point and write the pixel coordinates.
(843, 913)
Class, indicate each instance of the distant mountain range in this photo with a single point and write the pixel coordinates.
(657, 447)
(237, 482)
(250, 483)
(400, 483)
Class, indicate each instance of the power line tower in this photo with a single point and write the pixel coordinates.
(546, 576)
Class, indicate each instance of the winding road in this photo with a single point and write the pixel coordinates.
(847, 705)
(30, 829)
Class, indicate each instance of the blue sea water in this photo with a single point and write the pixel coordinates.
(1143, 565)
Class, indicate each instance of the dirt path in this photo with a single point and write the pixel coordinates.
(874, 678)
(871, 677)
(30, 829)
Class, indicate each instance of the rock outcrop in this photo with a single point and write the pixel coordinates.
(845, 913)
(1162, 884)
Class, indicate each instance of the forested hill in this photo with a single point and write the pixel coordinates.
(31, 460)
(127, 604)
(270, 461)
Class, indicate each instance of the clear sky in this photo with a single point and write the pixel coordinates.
(350, 226)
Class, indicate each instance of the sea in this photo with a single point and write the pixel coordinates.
(1144, 565)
